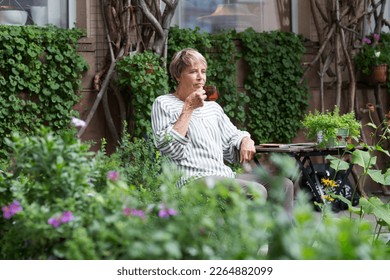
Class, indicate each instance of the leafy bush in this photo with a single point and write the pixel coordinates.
(40, 75)
(143, 77)
(278, 99)
(50, 174)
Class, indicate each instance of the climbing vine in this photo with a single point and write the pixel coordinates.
(277, 98)
(40, 75)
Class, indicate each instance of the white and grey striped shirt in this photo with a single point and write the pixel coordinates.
(211, 138)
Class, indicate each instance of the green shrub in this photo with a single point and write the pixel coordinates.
(40, 75)
(50, 174)
(142, 77)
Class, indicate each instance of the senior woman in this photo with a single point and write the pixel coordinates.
(197, 135)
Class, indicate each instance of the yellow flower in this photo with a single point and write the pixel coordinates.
(328, 197)
(328, 182)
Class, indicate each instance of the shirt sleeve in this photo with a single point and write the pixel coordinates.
(166, 139)
(231, 139)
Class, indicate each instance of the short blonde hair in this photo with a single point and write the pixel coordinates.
(183, 59)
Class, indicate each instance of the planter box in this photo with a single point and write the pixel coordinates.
(339, 141)
(10, 15)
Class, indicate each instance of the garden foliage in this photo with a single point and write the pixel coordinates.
(40, 75)
(60, 201)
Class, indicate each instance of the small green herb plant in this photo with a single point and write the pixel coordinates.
(329, 123)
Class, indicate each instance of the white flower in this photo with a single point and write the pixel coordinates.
(78, 123)
(377, 54)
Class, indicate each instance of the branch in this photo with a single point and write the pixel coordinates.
(109, 120)
(321, 12)
(106, 80)
(171, 3)
(169, 11)
(98, 99)
(320, 51)
(155, 24)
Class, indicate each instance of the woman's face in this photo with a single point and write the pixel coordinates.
(193, 77)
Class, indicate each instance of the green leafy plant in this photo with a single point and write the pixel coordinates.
(329, 123)
(373, 52)
(49, 179)
(365, 157)
(142, 78)
(277, 98)
(40, 75)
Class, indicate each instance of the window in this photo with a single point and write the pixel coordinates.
(61, 13)
(214, 15)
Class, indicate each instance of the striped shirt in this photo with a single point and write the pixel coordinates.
(211, 138)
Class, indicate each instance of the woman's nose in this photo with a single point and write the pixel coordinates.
(201, 75)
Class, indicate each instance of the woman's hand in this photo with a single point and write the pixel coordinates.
(193, 101)
(247, 150)
(196, 99)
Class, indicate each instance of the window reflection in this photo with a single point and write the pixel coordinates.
(191, 10)
(42, 12)
(215, 15)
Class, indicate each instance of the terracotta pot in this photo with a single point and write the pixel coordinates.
(378, 75)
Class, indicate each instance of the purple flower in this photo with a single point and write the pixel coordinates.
(366, 40)
(172, 212)
(6, 212)
(126, 211)
(166, 212)
(137, 213)
(55, 222)
(12, 209)
(376, 37)
(66, 217)
(134, 212)
(113, 176)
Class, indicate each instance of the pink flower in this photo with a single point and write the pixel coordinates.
(166, 212)
(113, 176)
(66, 217)
(57, 220)
(54, 221)
(366, 40)
(11, 210)
(134, 212)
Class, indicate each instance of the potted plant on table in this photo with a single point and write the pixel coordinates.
(330, 128)
(373, 58)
